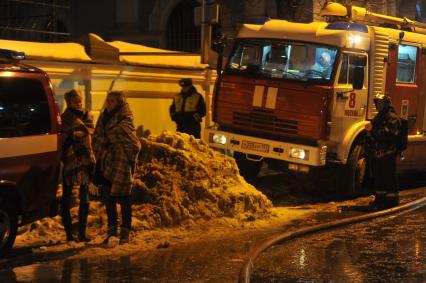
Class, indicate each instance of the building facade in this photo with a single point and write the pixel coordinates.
(166, 24)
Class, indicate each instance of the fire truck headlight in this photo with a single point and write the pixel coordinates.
(219, 138)
(354, 40)
(299, 153)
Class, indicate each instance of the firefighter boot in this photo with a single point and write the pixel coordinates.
(379, 202)
(392, 200)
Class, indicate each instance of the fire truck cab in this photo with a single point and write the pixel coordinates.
(302, 93)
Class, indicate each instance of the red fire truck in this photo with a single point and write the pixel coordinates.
(301, 94)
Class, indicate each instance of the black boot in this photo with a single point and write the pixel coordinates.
(66, 221)
(124, 236)
(82, 218)
(65, 211)
(379, 202)
(82, 233)
(392, 200)
(68, 232)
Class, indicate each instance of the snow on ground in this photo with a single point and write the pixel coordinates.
(183, 191)
(181, 179)
(180, 183)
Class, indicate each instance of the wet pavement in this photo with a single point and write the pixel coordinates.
(212, 260)
(390, 249)
(218, 258)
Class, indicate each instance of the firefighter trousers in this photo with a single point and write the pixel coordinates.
(386, 181)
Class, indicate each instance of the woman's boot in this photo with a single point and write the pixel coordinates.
(124, 235)
(83, 211)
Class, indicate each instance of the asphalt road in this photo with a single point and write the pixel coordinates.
(391, 249)
(211, 259)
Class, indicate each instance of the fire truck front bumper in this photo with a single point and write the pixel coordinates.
(264, 148)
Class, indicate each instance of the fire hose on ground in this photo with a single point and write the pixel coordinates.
(247, 269)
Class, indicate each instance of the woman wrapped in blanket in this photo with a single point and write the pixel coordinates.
(116, 148)
(78, 160)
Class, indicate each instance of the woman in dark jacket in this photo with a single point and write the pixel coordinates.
(116, 149)
(78, 160)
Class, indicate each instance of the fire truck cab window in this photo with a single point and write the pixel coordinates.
(245, 56)
(24, 108)
(349, 62)
(406, 70)
(283, 60)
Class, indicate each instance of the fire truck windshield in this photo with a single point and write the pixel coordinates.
(278, 60)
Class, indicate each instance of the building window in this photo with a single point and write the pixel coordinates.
(406, 70)
(182, 34)
(33, 20)
(421, 10)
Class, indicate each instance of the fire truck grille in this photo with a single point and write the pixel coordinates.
(265, 123)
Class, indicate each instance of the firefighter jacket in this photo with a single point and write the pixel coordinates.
(187, 110)
(383, 137)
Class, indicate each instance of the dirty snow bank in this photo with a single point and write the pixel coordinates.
(179, 181)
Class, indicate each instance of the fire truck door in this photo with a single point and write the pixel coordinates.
(406, 82)
(350, 105)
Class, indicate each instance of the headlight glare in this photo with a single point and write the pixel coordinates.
(219, 138)
(299, 153)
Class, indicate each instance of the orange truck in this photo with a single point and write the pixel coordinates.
(299, 95)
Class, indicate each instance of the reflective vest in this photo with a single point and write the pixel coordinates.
(191, 102)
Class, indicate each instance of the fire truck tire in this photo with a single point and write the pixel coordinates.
(354, 172)
(8, 227)
(248, 169)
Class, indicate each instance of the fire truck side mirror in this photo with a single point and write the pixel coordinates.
(358, 82)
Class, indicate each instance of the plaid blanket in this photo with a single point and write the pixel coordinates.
(116, 148)
(77, 156)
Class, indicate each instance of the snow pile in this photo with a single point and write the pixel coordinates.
(179, 180)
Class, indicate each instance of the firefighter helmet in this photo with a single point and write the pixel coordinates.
(382, 101)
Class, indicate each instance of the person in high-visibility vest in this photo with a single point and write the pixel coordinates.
(188, 109)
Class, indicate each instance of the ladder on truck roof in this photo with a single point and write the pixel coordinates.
(360, 14)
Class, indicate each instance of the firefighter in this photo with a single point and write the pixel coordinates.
(324, 64)
(382, 134)
(188, 109)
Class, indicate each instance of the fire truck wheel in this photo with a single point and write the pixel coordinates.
(355, 172)
(248, 168)
(8, 227)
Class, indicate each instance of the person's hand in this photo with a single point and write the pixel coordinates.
(78, 134)
(368, 127)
